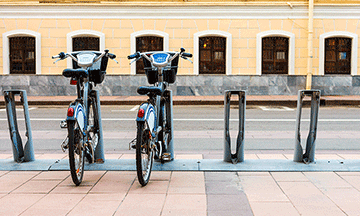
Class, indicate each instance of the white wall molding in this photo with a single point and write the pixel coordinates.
(354, 49)
(6, 48)
(134, 35)
(273, 33)
(83, 33)
(228, 51)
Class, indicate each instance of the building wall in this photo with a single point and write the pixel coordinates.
(244, 23)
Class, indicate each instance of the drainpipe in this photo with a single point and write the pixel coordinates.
(310, 45)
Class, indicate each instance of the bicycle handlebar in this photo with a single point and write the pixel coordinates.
(135, 55)
(63, 55)
(182, 54)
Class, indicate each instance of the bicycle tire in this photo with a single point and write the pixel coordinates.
(93, 129)
(144, 153)
(76, 152)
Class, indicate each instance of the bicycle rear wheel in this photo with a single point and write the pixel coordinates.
(76, 152)
(144, 153)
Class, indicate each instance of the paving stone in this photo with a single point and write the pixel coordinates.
(141, 204)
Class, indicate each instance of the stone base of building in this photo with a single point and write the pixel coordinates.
(126, 85)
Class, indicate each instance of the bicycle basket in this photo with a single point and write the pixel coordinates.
(170, 75)
(97, 71)
(151, 75)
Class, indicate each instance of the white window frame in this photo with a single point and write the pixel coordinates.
(83, 33)
(354, 49)
(275, 33)
(143, 33)
(6, 48)
(216, 33)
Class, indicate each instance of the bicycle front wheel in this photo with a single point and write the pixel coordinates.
(76, 152)
(144, 153)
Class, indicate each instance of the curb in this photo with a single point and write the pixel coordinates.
(251, 100)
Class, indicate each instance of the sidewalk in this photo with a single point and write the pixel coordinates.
(183, 192)
(278, 100)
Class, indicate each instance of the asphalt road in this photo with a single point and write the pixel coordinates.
(200, 128)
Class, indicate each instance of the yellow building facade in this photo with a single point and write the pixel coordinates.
(117, 24)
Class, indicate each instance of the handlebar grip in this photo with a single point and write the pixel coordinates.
(187, 55)
(112, 56)
(135, 55)
(54, 57)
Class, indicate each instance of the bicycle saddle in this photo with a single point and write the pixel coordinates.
(143, 90)
(75, 73)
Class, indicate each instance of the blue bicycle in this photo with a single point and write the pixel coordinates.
(154, 118)
(82, 121)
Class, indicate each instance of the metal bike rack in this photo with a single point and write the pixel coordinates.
(99, 155)
(20, 154)
(169, 119)
(239, 154)
(309, 155)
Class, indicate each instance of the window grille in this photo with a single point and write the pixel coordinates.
(86, 43)
(145, 44)
(275, 55)
(212, 55)
(337, 56)
(22, 55)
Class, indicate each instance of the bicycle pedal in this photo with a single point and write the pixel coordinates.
(65, 144)
(63, 124)
(132, 144)
(166, 156)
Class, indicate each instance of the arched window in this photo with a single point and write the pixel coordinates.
(21, 52)
(275, 52)
(147, 40)
(86, 43)
(212, 52)
(275, 55)
(337, 55)
(212, 55)
(22, 55)
(84, 40)
(145, 44)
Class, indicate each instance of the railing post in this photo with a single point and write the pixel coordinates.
(99, 156)
(309, 155)
(238, 156)
(20, 154)
(169, 120)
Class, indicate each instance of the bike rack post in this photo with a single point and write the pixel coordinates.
(309, 155)
(99, 155)
(20, 154)
(169, 120)
(239, 154)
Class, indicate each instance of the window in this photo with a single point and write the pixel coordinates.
(212, 55)
(144, 44)
(275, 55)
(86, 43)
(22, 55)
(337, 55)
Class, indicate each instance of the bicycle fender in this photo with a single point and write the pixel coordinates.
(149, 115)
(79, 115)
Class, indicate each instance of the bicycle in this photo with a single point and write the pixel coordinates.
(154, 117)
(82, 121)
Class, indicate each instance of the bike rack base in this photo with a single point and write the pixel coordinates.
(203, 165)
(309, 155)
(20, 154)
(238, 156)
